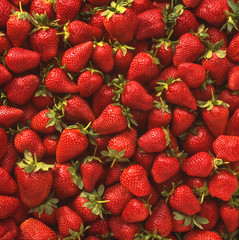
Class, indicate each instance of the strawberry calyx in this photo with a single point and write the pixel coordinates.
(167, 136)
(229, 236)
(119, 46)
(162, 105)
(20, 14)
(215, 48)
(192, 220)
(146, 203)
(2, 34)
(112, 155)
(43, 91)
(93, 70)
(234, 200)
(77, 235)
(93, 157)
(146, 235)
(118, 7)
(166, 193)
(47, 206)
(3, 98)
(164, 85)
(95, 202)
(30, 163)
(201, 33)
(217, 162)
(73, 170)
(202, 192)
(206, 82)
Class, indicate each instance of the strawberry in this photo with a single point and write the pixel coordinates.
(72, 143)
(9, 116)
(232, 124)
(75, 58)
(5, 75)
(18, 27)
(5, 44)
(150, 25)
(182, 120)
(8, 229)
(215, 35)
(139, 6)
(122, 230)
(102, 56)
(135, 211)
(8, 205)
(89, 82)
(160, 219)
(41, 7)
(226, 147)
(177, 92)
(222, 184)
(192, 74)
(164, 167)
(202, 234)
(34, 180)
(66, 11)
(215, 112)
(183, 200)
(230, 216)
(5, 9)
(204, 92)
(50, 142)
(58, 81)
(191, 3)
(8, 181)
(232, 77)
(20, 60)
(92, 238)
(99, 3)
(17, 2)
(120, 21)
(232, 51)
(155, 140)
(143, 68)
(29, 140)
(29, 112)
(213, 12)
(35, 229)
(198, 165)
(27, 85)
(134, 178)
(116, 198)
(230, 98)
(99, 227)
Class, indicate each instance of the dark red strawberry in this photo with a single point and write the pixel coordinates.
(215, 35)
(232, 124)
(5, 44)
(232, 50)
(9, 116)
(42, 7)
(99, 3)
(139, 6)
(191, 3)
(8, 229)
(50, 142)
(8, 205)
(6, 8)
(231, 98)
(7, 186)
(232, 77)
(202, 234)
(5, 75)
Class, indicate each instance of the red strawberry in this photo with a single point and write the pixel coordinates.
(27, 85)
(35, 229)
(230, 98)
(50, 142)
(232, 125)
(139, 6)
(5, 44)
(233, 82)
(230, 216)
(8, 229)
(8, 205)
(20, 60)
(215, 35)
(120, 21)
(5, 9)
(135, 211)
(134, 178)
(143, 68)
(42, 7)
(204, 92)
(150, 25)
(16, 2)
(18, 27)
(183, 200)
(29, 112)
(161, 219)
(164, 167)
(58, 81)
(99, 3)
(155, 140)
(222, 185)
(232, 50)
(122, 230)
(5, 75)
(34, 180)
(66, 11)
(29, 140)
(9, 116)
(191, 3)
(202, 234)
(199, 165)
(7, 186)
(75, 58)
(99, 227)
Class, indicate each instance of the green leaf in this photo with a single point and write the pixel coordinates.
(202, 220)
(178, 216)
(101, 190)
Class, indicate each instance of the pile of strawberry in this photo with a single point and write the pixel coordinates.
(119, 119)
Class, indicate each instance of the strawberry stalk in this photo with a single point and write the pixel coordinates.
(165, 85)
(73, 170)
(148, 235)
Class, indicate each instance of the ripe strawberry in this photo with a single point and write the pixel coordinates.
(35, 229)
(155, 140)
(20, 60)
(134, 178)
(50, 142)
(5, 44)
(6, 10)
(226, 148)
(143, 68)
(120, 21)
(232, 50)
(16, 2)
(222, 185)
(8, 205)
(57, 81)
(18, 27)
(26, 84)
(150, 25)
(183, 200)
(8, 229)
(122, 230)
(191, 3)
(30, 111)
(198, 165)
(213, 12)
(116, 198)
(164, 167)
(41, 7)
(232, 77)
(89, 82)
(192, 74)
(7, 186)
(230, 216)
(5, 75)
(232, 128)
(99, 3)
(215, 35)
(29, 140)
(230, 98)
(99, 227)
(34, 180)
(75, 58)
(9, 116)
(66, 11)
(92, 238)
(160, 219)
(202, 234)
